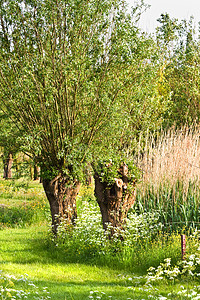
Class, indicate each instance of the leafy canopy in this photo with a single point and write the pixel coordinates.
(64, 70)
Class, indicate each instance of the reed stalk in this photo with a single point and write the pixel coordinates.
(171, 176)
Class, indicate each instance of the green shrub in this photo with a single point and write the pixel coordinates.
(24, 214)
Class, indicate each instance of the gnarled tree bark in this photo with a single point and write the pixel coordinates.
(62, 200)
(114, 201)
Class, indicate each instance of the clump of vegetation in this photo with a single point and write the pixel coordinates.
(17, 215)
(136, 247)
(21, 215)
(21, 203)
(171, 177)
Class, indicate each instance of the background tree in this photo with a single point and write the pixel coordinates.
(9, 143)
(180, 69)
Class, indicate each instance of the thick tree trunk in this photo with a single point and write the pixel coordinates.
(8, 166)
(62, 200)
(36, 172)
(114, 201)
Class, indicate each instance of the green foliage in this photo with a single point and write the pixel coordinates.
(167, 31)
(78, 79)
(179, 47)
(109, 170)
(8, 135)
(21, 203)
(66, 74)
(178, 207)
(11, 216)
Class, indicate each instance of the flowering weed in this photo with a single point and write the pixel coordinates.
(12, 288)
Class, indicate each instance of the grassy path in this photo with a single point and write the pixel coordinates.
(23, 251)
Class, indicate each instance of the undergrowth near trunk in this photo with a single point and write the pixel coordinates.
(144, 242)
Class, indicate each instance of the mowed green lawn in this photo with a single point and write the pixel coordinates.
(23, 251)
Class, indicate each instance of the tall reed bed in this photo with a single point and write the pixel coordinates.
(170, 164)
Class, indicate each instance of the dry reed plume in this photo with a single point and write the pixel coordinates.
(171, 157)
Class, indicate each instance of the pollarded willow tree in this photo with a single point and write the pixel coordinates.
(65, 68)
(144, 108)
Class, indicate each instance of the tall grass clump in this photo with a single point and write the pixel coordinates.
(171, 177)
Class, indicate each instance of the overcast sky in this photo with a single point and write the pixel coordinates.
(181, 9)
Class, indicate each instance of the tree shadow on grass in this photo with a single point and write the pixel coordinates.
(28, 248)
(54, 265)
(66, 276)
(48, 252)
